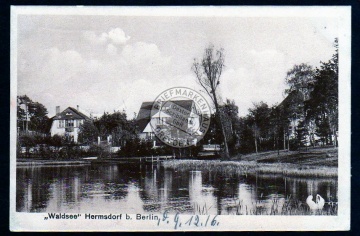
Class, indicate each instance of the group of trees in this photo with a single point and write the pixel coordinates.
(113, 124)
(307, 116)
(31, 115)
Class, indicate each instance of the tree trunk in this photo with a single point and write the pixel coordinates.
(227, 156)
(256, 149)
(284, 140)
(288, 139)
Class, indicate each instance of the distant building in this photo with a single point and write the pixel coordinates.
(287, 105)
(147, 121)
(292, 106)
(67, 122)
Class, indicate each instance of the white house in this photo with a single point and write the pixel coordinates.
(67, 122)
(146, 121)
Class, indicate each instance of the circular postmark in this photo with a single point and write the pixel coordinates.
(180, 117)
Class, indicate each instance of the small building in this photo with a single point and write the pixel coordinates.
(67, 122)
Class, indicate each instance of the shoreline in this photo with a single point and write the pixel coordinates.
(236, 167)
(251, 167)
(319, 162)
(39, 162)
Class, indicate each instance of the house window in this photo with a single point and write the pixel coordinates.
(78, 123)
(61, 123)
(69, 123)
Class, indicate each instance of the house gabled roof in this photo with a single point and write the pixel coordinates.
(70, 113)
(294, 97)
(186, 104)
(144, 115)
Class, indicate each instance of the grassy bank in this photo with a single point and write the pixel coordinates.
(319, 156)
(248, 167)
(35, 162)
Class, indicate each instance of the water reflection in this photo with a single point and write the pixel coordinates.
(201, 196)
(134, 188)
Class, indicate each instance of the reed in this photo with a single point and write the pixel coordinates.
(200, 210)
(288, 206)
(247, 167)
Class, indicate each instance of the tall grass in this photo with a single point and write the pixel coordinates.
(247, 167)
(289, 206)
(201, 210)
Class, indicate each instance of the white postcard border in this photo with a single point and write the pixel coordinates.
(35, 221)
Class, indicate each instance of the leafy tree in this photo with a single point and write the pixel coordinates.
(300, 78)
(27, 141)
(230, 113)
(259, 121)
(279, 126)
(32, 115)
(116, 125)
(246, 134)
(213, 135)
(57, 141)
(208, 72)
(323, 104)
(88, 133)
(302, 134)
(323, 130)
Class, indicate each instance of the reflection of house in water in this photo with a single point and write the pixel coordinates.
(28, 197)
(151, 185)
(246, 199)
(166, 187)
(132, 201)
(32, 192)
(99, 189)
(65, 194)
(202, 198)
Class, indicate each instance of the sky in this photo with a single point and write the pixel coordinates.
(106, 62)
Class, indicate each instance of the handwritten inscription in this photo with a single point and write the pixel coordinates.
(185, 221)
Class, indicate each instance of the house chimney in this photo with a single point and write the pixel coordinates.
(57, 110)
(77, 107)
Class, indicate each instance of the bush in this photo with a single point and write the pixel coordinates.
(96, 150)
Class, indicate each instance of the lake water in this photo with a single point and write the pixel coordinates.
(134, 188)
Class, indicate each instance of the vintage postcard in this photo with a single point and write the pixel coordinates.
(180, 118)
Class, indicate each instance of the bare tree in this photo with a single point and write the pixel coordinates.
(208, 72)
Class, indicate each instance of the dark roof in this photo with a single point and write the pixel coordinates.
(70, 113)
(295, 97)
(143, 117)
(186, 104)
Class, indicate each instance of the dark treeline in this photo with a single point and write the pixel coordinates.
(308, 116)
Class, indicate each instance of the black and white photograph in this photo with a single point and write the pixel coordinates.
(180, 118)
